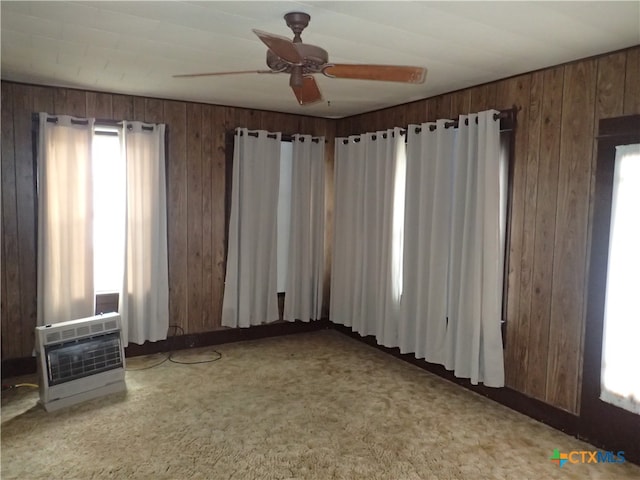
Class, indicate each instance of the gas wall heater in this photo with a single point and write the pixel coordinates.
(79, 360)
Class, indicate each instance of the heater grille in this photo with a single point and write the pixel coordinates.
(88, 356)
(79, 360)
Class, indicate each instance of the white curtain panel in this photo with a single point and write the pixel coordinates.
(303, 298)
(365, 293)
(423, 322)
(453, 255)
(144, 300)
(344, 284)
(474, 340)
(250, 293)
(65, 229)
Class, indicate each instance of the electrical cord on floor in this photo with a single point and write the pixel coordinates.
(170, 352)
(18, 385)
(180, 362)
(148, 367)
(210, 360)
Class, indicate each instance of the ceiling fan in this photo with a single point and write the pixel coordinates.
(301, 60)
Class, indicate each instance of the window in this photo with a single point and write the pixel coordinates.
(94, 197)
(109, 197)
(620, 357)
(284, 212)
(506, 166)
(397, 235)
(610, 393)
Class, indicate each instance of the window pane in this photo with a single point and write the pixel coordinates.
(109, 195)
(621, 355)
(397, 238)
(284, 212)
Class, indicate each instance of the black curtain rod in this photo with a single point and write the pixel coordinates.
(508, 115)
(98, 122)
(283, 137)
(454, 123)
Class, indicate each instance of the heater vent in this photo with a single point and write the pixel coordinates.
(69, 333)
(70, 361)
(82, 331)
(96, 327)
(79, 360)
(53, 337)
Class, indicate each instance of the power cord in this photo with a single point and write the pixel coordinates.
(210, 360)
(17, 385)
(128, 369)
(180, 362)
(170, 352)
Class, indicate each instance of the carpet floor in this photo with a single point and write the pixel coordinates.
(318, 405)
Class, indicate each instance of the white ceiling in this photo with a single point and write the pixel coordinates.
(136, 47)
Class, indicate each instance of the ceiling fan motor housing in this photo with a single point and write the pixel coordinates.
(314, 59)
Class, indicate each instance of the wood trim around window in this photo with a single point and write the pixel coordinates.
(603, 424)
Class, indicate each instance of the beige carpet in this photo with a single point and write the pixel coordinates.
(308, 406)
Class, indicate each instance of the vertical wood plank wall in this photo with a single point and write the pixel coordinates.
(551, 211)
(552, 193)
(195, 197)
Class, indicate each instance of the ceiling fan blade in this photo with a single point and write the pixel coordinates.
(281, 46)
(308, 92)
(185, 75)
(386, 73)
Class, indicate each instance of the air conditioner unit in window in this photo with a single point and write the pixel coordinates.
(79, 360)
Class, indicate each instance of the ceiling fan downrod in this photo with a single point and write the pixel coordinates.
(297, 22)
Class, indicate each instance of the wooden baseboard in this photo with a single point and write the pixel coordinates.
(227, 335)
(543, 412)
(15, 367)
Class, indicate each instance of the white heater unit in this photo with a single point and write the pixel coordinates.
(79, 360)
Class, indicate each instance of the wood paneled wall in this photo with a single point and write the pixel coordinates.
(551, 210)
(195, 197)
(550, 221)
